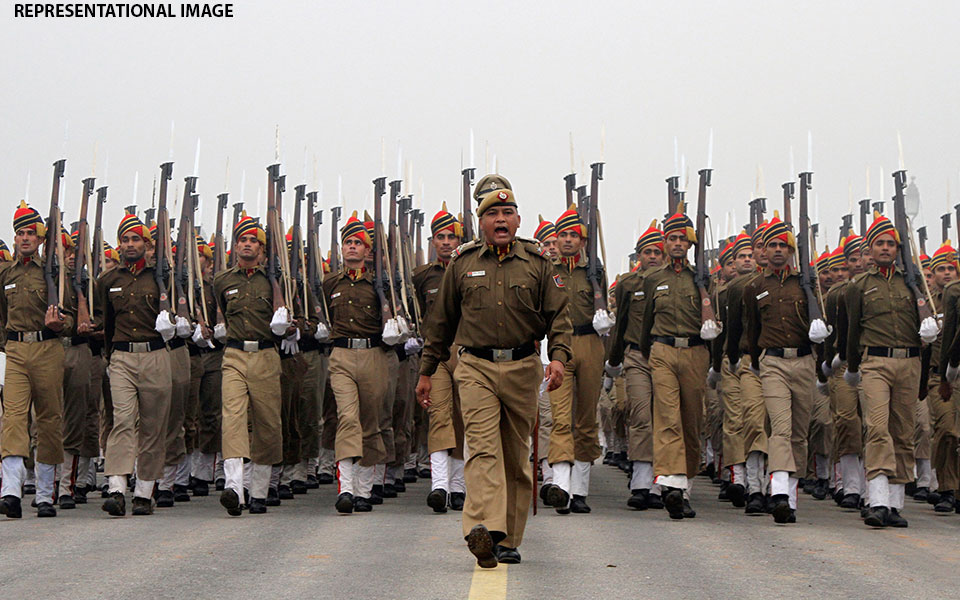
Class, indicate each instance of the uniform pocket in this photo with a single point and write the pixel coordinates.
(523, 293)
(476, 291)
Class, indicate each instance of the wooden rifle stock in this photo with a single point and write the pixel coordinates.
(911, 272)
(702, 276)
(808, 277)
(162, 243)
(594, 267)
(466, 207)
(80, 279)
(378, 257)
(53, 259)
(99, 256)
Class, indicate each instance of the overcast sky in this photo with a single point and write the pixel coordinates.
(337, 77)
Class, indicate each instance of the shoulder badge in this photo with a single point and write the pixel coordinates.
(558, 280)
(462, 248)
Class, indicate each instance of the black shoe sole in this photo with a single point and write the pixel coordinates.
(438, 502)
(113, 508)
(873, 521)
(230, 501)
(781, 513)
(557, 498)
(344, 505)
(737, 495)
(480, 545)
(673, 502)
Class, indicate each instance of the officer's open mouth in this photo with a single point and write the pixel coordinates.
(501, 230)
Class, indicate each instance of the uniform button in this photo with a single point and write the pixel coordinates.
(349, 301)
(500, 324)
(499, 303)
(499, 283)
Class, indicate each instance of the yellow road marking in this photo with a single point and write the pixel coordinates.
(489, 584)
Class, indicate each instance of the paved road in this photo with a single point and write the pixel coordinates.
(402, 550)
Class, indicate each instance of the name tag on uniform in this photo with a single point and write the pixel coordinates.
(476, 273)
(663, 287)
(762, 295)
(10, 286)
(433, 291)
(640, 294)
(119, 289)
(337, 295)
(231, 292)
(871, 290)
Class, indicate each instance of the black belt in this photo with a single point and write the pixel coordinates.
(893, 352)
(78, 340)
(679, 342)
(789, 352)
(31, 336)
(356, 343)
(309, 344)
(201, 350)
(633, 346)
(150, 346)
(194, 350)
(176, 342)
(251, 346)
(502, 354)
(584, 330)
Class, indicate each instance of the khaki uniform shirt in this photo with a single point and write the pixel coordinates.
(673, 305)
(949, 301)
(23, 305)
(881, 311)
(488, 300)
(579, 292)
(245, 297)
(354, 305)
(130, 304)
(630, 299)
(775, 308)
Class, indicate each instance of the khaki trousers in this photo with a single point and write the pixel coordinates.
(788, 394)
(76, 387)
(106, 405)
(619, 411)
(679, 378)
(251, 396)
(922, 430)
(140, 393)
(191, 411)
(575, 434)
(208, 410)
(292, 370)
(311, 397)
(820, 437)
(359, 378)
(604, 417)
(756, 425)
(90, 447)
(945, 442)
(499, 402)
(403, 410)
(734, 450)
(388, 401)
(639, 391)
(888, 397)
(713, 415)
(845, 410)
(179, 398)
(328, 430)
(33, 382)
(445, 417)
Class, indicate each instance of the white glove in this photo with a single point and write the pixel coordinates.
(412, 346)
(183, 328)
(836, 363)
(198, 338)
(710, 330)
(322, 334)
(951, 373)
(852, 378)
(612, 371)
(819, 331)
(220, 332)
(289, 344)
(603, 321)
(405, 330)
(391, 332)
(280, 321)
(929, 330)
(607, 383)
(165, 326)
(713, 378)
(3, 368)
(826, 369)
(823, 388)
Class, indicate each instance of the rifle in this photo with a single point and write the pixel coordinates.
(594, 268)
(467, 209)
(219, 254)
(922, 236)
(758, 207)
(274, 237)
(394, 252)
(195, 270)
(864, 213)
(406, 258)
(378, 190)
(237, 209)
(335, 239)
(80, 278)
(297, 264)
(702, 275)
(162, 249)
(845, 227)
(911, 272)
(53, 249)
(286, 281)
(181, 272)
(314, 268)
(808, 279)
(945, 227)
(673, 187)
(99, 257)
(418, 222)
(878, 206)
(788, 190)
(570, 183)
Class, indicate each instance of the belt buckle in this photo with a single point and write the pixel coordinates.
(898, 353)
(791, 352)
(249, 346)
(139, 346)
(502, 355)
(30, 336)
(359, 343)
(681, 342)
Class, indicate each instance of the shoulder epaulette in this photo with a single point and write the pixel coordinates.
(464, 248)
